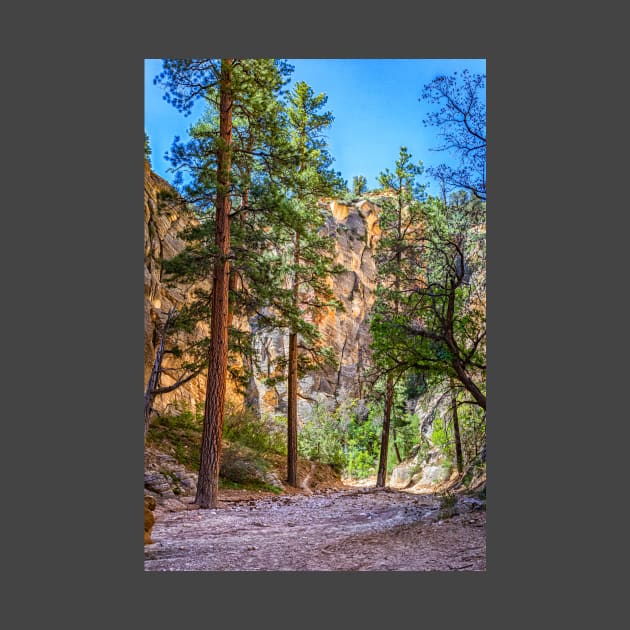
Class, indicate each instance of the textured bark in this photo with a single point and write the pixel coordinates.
(469, 384)
(458, 442)
(387, 416)
(154, 380)
(292, 413)
(458, 366)
(208, 482)
(398, 457)
(234, 284)
(292, 388)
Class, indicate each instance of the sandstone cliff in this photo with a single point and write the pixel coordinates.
(354, 226)
(165, 216)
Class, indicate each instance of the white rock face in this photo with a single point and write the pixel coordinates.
(431, 468)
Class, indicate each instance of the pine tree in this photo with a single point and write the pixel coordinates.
(359, 185)
(401, 223)
(244, 95)
(147, 148)
(312, 251)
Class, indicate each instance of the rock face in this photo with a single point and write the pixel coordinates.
(423, 471)
(428, 466)
(355, 228)
(164, 218)
(169, 485)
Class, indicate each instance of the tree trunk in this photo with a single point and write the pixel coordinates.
(460, 370)
(233, 287)
(458, 442)
(292, 413)
(389, 388)
(152, 385)
(208, 482)
(292, 388)
(468, 383)
(398, 457)
(387, 416)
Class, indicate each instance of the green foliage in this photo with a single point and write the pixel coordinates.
(320, 436)
(338, 438)
(429, 314)
(405, 432)
(397, 255)
(362, 447)
(180, 434)
(415, 384)
(280, 168)
(448, 505)
(344, 438)
(359, 185)
(440, 436)
(262, 434)
(472, 427)
(437, 323)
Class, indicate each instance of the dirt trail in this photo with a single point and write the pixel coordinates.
(347, 530)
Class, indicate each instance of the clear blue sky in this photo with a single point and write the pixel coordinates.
(374, 102)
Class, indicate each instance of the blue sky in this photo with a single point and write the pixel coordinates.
(374, 102)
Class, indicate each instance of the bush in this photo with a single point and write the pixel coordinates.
(320, 437)
(341, 438)
(179, 434)
(264, 435)
(363, 447)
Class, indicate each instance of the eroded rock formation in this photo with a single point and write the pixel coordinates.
(165, 216)
(354, 226)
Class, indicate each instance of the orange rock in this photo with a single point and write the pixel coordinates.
(149, 519)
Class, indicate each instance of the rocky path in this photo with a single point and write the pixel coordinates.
(347, 530)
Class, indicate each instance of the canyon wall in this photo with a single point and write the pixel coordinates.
(353, 224)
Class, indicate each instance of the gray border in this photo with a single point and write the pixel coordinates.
(86, 232)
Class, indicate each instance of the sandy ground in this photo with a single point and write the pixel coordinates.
(334, 530)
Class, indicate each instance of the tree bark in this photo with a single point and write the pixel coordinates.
(398, 457)
(152, 385)
(387, 416)
(208, 482)
(460, 370)
(469, 384)
(292, 413)
(292, 388)
(458, 442)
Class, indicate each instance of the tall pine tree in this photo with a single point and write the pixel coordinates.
(312, 251)
(401, 227)
(243, 91)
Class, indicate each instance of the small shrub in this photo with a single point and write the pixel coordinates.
(263, 434)
(179, 434)
(320, 437)
(448, 505)
(447, 499)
